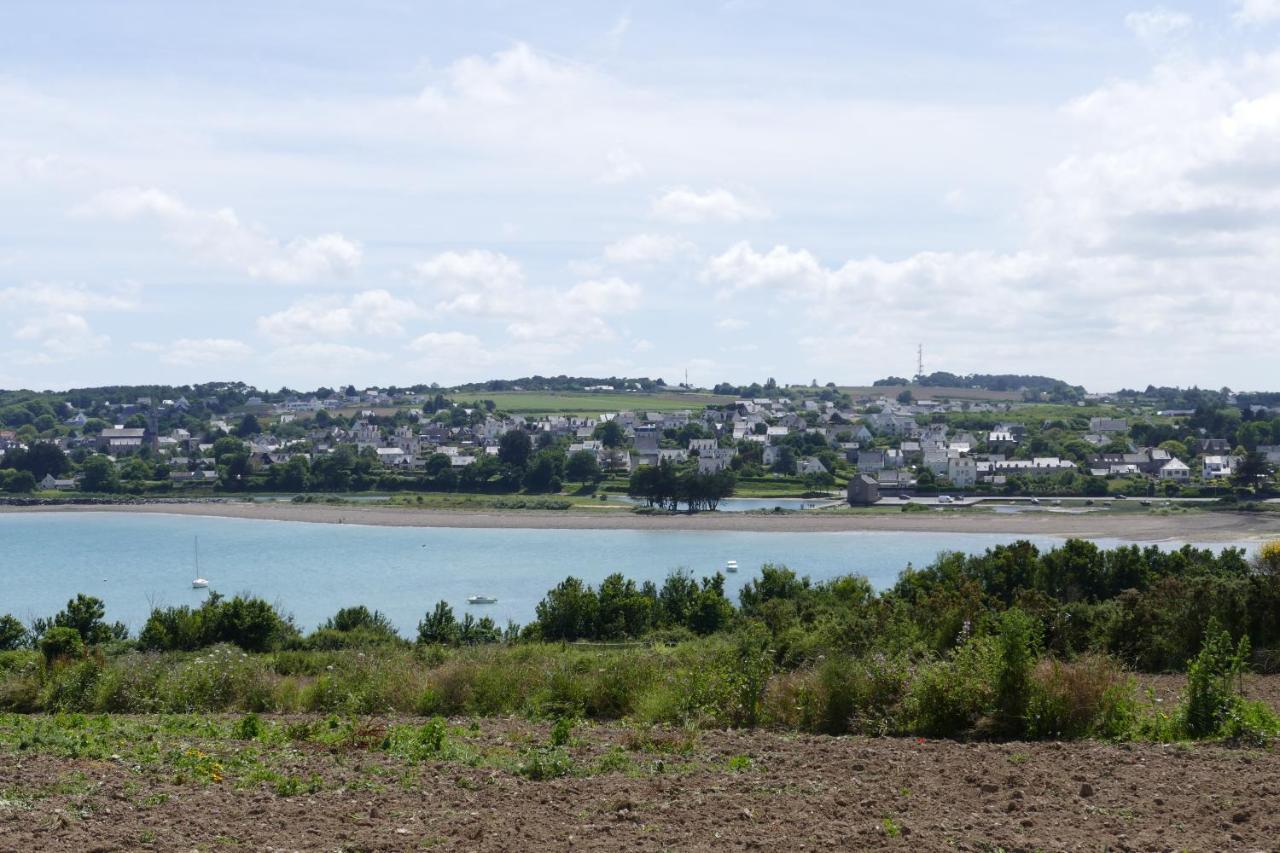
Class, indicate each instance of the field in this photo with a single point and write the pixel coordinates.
(589, 403)
(311, 782)
(923, 392)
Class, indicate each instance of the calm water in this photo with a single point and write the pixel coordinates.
(135, 561)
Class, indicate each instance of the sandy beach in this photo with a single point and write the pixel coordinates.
(1194, 526)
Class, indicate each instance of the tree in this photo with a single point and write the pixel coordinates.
(514, 448)
(292, 476)
(905, 397)
(544, 472)
(583, 467)
(41, 458)
(439, 626)
(98, 474)
(610, 434)
(84, 614)
(568, 612)
(13, 634)
(1252, 468)
(17, 482)
(249, 426)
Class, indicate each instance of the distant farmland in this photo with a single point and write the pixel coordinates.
(925, 392)
(589, 402)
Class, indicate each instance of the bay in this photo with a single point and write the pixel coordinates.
(134, 562)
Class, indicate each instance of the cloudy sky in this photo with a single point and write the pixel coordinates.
(299, 193)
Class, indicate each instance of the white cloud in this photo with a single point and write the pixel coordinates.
(743, 268)
(450, 345)
(56, 337)
(647, 249)
(311, 357)
(371, 312)
(731, 324)
(219, 237)
(685, 205)
(511, 76)
(78, 298)
(608, 296)
(198, 352)
(1154, 26)
(1256, 12)
(620, 167)
(474, 281)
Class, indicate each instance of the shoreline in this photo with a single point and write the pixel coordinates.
(1197, 527)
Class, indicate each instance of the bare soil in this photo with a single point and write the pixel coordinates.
(665, 791)
(1193, 526)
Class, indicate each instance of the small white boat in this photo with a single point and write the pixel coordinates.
(199, 582)
(731, 566)
(481, 599)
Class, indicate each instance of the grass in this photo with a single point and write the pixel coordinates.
(696, 684)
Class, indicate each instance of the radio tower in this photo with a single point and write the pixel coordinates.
(919, 360)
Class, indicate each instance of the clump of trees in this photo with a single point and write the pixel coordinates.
(666, 486)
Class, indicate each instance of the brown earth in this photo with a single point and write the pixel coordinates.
(729, 790)
(1133, 526)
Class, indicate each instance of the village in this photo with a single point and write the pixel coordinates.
(803, 439)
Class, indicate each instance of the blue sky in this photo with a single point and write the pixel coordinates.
(309, 193)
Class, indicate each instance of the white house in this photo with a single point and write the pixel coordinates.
(1174, 469)
(1215, 467)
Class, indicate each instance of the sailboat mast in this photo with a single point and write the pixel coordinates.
(196, 551)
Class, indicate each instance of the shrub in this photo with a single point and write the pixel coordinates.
(947, 697)
(61, 643)
(250, 623)
(1015, 643)
(1091, 697)
(1213, 682)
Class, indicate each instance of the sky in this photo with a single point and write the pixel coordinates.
(302, 194)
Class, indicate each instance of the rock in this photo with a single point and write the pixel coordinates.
(989, 788)
(1086, 790)
(1241, 817)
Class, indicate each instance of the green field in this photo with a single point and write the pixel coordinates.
(924, 392)
(590, 403)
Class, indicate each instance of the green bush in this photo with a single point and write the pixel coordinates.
(946, 698)
(61, 643)
(1090, 697)
(1213, 682)
(1016, 642)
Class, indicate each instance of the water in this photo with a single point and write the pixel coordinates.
(135, 561)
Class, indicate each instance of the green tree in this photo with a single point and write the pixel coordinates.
(569, 611)
(13, 634)
(544, 471)
(98, 474)
(40, 459)
(439, 626)
(514, 448)
(249, 426)
(84, 614)
(583, 467)
(1252, 469)
(610, 434)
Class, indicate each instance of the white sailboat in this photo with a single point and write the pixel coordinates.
(199, 582)
(731, 566)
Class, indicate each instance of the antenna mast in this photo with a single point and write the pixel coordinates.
(919, 360)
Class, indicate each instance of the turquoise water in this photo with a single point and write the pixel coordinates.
(135, 561)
